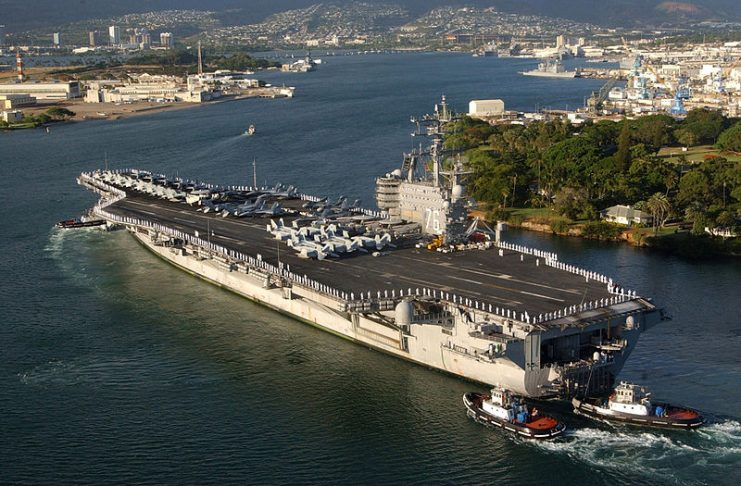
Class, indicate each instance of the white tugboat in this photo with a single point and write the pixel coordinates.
(631, 404)
(511, 413)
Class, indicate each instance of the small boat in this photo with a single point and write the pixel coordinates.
(80, 223)
(250, 130)
(631, 404)
(511, 413)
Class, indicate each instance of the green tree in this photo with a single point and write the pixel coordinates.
(59, 113)
(492, 176)
(696, 214)
(694, 187)
(573, 204)
(726, 220)
(686, 137)
(731, 139)
(622, 156)
(660, 208)
(241, 61)
(645, 177)
(705, 124)
(460, 142)
(655, 131)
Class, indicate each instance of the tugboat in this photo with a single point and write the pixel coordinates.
(509, 412)
(630, 404)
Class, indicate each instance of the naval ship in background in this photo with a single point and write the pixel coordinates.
(419, 279)
(551, 68)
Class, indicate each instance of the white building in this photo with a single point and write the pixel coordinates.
(166, 40)
(626, 215)
(57, 39)
(485, 108)
(114, 35)
(12, 116)
(57, 90)
(163, 92)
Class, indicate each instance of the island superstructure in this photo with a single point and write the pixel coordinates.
(480, 308)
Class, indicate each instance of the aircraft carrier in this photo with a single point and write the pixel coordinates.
(419, 279)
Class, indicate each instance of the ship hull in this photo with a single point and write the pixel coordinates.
(540, 74)
(319, 311)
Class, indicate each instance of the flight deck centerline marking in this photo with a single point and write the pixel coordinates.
(541, 296)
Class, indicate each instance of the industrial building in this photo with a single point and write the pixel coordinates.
(146, 90)
(485, 108)
(57, 90)
(12, 116)
(13, 101)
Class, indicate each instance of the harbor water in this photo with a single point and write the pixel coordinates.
(118, 368)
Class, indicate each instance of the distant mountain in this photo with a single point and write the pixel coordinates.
(34, 14)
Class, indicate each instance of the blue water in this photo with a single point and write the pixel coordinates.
(117, 368)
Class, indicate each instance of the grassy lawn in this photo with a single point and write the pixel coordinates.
(530, 213)
(650, 231)
(696, 154)
(21, 126)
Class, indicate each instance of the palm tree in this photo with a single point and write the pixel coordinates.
(659, 207)
(695, 212)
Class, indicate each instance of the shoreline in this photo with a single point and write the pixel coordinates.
(681, 243)
(119, 111)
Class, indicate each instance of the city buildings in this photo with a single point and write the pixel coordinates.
(95, 39)
(166, 40)
(56, 39)
(140, 38)
(114, 35)
(677, 80)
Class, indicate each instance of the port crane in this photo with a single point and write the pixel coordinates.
(595, 101)
(723, 75)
